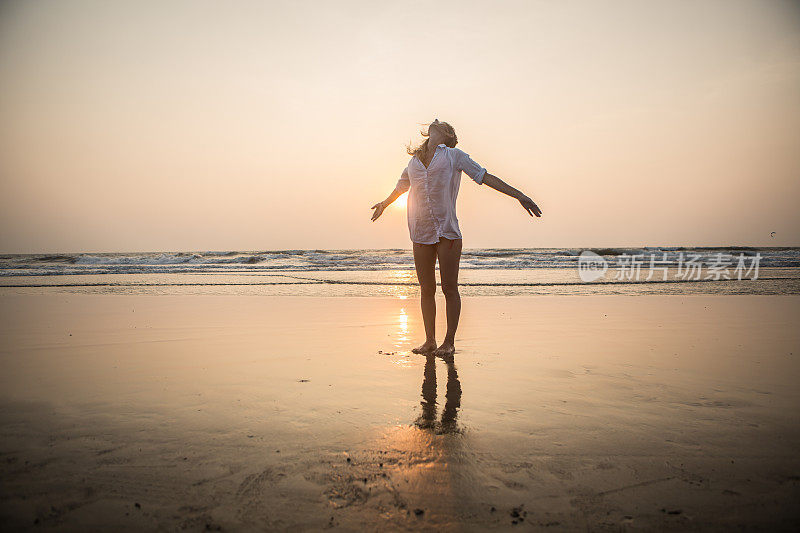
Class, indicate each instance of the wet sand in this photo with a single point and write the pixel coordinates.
(248, 413)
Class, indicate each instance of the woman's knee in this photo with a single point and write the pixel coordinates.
(449, 289)
(428, 289)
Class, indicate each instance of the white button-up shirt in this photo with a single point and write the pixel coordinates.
(432, 193)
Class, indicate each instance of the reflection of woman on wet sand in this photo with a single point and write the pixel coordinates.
(452, 397)
(432, 178)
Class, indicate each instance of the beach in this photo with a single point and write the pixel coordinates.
(219, 225)
(251, 413)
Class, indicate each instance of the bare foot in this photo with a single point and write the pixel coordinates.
(447, 349)
(427, 347)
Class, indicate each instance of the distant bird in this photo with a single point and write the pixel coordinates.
(772, 234)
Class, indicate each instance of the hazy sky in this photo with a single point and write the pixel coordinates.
(164, 125)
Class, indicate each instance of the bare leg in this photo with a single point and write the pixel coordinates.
(449, 252)
(425, 262)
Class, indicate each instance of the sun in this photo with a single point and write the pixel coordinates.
(400, 203)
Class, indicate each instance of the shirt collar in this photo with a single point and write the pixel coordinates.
(442, 144)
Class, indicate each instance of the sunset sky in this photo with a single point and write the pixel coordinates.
(165, 125)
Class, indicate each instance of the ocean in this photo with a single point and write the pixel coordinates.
(390, 272)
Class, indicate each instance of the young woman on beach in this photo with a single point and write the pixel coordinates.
(432, 178)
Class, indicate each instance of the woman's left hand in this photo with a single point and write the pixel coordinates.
(530, 206)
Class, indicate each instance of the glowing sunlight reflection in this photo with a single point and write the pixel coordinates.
(402, 356)
(400, 279)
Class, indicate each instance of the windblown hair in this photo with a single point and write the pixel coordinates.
(421, 151)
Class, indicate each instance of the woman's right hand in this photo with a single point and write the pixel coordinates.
(379, 207)
(530, 206)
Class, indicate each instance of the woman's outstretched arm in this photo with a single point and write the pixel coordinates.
(380, 206)
(499, 185)
(480, 176)
(403, 184)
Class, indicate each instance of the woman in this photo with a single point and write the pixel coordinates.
(433, 176)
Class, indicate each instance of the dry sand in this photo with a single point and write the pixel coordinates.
(248, 413)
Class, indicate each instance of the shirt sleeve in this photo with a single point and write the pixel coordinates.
(404, 183)
(465, 163)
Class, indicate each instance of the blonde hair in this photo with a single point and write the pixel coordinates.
(421, 151)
